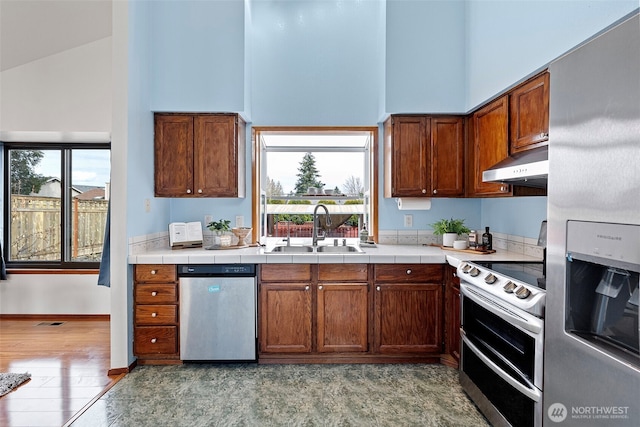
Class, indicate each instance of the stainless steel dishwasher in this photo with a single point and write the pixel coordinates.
(218, 304)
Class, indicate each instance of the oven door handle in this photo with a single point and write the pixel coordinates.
(532, 393)
(530, 323)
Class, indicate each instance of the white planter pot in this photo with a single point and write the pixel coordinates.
(448, 239)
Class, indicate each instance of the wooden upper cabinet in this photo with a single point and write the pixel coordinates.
(529, 114)
(447, 153)
(199, 155)
(424, 156)
(488, 146)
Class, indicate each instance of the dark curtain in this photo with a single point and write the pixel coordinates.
(104, 278)
(3, 269)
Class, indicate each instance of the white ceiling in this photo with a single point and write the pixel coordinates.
(34, 29)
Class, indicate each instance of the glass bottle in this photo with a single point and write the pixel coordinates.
(364, 234)
(487, 240)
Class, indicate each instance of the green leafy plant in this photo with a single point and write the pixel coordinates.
(220, 226)
(449, 226)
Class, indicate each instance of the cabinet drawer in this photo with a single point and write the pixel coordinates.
(342, 272)
(165, 293)
(285, 272)
(409, 273)
(156, 340)
(156, 314)
(154, 273)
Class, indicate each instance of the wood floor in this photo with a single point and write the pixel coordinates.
(68, 361)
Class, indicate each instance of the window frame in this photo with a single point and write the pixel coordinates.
(256, 168)
(65, 149)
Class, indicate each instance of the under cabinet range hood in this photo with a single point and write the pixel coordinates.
(529, 169)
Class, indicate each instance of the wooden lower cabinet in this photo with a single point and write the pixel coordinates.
(451, 355)
(156, 314)
(285, 318)
(342, 310)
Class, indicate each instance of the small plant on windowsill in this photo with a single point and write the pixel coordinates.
(449, 229)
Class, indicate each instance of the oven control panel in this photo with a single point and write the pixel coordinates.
(508, 289)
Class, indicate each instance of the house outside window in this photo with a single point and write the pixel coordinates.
(56, 203)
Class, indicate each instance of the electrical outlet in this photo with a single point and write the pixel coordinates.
(408, 220)
(208, 219)
(239, 221)
(147, 205)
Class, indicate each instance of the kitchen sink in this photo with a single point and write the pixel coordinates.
(319, 249)
(339, 249)
(294, 249)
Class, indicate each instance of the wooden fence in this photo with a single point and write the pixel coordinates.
(36, 228)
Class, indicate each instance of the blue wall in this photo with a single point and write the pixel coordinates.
(348, 63)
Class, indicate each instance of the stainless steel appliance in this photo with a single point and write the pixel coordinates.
(502, 320)
(218, 304)
(592, 376)
(529, 169)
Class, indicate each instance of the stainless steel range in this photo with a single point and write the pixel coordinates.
(502, 322)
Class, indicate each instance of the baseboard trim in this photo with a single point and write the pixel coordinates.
(65, 317)
(123, 371)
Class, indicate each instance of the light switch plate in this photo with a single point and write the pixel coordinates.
(239, 221)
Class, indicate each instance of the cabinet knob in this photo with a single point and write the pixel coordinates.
(306, 288)
(378, 288)
(153, 272)
(188, 191)
(320, 287)
(435, 191)
(424, 191)
(153, 340)
(154, 314)
(154, 293)
(199, 190)
(409, 271)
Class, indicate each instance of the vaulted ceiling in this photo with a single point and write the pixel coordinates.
(34, 29)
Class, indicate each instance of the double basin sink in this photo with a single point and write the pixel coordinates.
(316, 249)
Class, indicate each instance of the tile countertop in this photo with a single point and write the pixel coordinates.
(381, 254)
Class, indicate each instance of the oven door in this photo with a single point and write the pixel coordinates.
(501, 361)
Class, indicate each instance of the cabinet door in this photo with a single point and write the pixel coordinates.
(452, 313)
(408, 318)
(285, 317)
(409, 156)
(342, 311)
(529, 114)
(216, 156)
(447, 149)
(490, 145)
(173, 155)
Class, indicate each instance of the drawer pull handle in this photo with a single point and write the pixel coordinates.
(153, 340)
(153, 272)
(154, 314)
(154, 293)
(306, 288)
(409, 271)
(378, 288)
(320, 287)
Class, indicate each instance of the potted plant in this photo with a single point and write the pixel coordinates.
(449, 229)
(221, 232)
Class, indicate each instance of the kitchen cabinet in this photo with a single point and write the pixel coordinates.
(408, 308)
(452, 317)
(342, 308)
(285, 308)
(424, 156)
(156, 313)
(529, 114)
(199, 155)
(488, 144)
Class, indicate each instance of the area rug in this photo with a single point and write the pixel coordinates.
(10, 381)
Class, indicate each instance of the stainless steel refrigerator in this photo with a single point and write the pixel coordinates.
(591, 360)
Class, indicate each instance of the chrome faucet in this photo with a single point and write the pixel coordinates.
(314, 234)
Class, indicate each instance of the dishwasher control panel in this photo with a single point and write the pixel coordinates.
(207, 270)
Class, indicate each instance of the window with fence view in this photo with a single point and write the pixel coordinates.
(58, 199)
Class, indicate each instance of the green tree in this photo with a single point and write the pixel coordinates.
(308, 175)
(24, 180)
